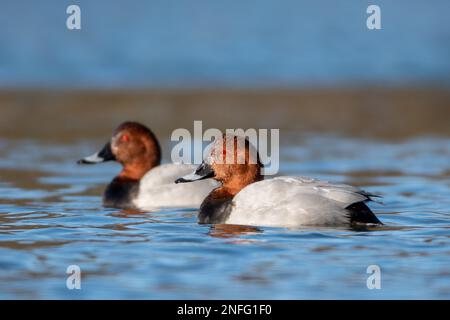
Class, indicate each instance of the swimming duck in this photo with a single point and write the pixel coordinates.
(143, 182)
(245, 198)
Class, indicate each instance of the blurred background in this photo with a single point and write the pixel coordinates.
(366, 107)
(290, 64)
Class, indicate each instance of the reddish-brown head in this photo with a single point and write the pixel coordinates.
(134, 146)
(233, 161)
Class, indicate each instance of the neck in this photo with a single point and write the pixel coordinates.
(217, 206)
(149, 158)
(231, 187)
(135, 171)
(223, 192)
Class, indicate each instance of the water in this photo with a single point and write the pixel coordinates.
(51, 217)
(50, 209)
(183, 43)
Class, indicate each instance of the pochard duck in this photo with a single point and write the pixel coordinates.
(143, 182)
(245, 198)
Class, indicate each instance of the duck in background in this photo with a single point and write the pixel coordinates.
(144, 183)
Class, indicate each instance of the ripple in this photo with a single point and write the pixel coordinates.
(51, 217)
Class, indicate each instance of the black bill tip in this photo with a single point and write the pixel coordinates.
(204, 171)
(104, 155)
(181, 180)
(83, 161)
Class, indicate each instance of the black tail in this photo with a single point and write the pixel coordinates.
(361, 213)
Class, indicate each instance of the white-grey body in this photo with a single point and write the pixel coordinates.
(294, 202)
(157, 189)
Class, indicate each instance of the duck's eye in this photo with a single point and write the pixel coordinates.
(125, 138)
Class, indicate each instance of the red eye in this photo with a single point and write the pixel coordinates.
(125, 138)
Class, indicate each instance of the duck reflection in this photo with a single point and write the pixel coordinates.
(228, 231)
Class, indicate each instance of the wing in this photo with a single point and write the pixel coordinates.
(345, 195)
(295, 201)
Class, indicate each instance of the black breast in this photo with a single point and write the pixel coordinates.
(120, 193)
(215, 211)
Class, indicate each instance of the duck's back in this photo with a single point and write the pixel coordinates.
(158, 189)
(298, 201)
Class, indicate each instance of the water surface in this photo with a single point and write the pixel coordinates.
(210, 43)
(51, 217)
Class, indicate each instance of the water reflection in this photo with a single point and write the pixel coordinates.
(51, 216)
(227, 231)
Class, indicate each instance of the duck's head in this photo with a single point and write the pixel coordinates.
(232, 161)
(134, 146)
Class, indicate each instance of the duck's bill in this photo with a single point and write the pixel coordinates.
(204, 171)
(102, 156)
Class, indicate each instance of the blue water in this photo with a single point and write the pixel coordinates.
(51, 217)
(233, 43)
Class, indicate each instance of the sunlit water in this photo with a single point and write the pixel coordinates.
(51, 217)
(204, 43)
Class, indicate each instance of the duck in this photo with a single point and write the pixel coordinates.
(144, 183)
(244, 197)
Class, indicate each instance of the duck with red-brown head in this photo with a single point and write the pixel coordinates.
(233, 162)
(244, 198)
(143, 182)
